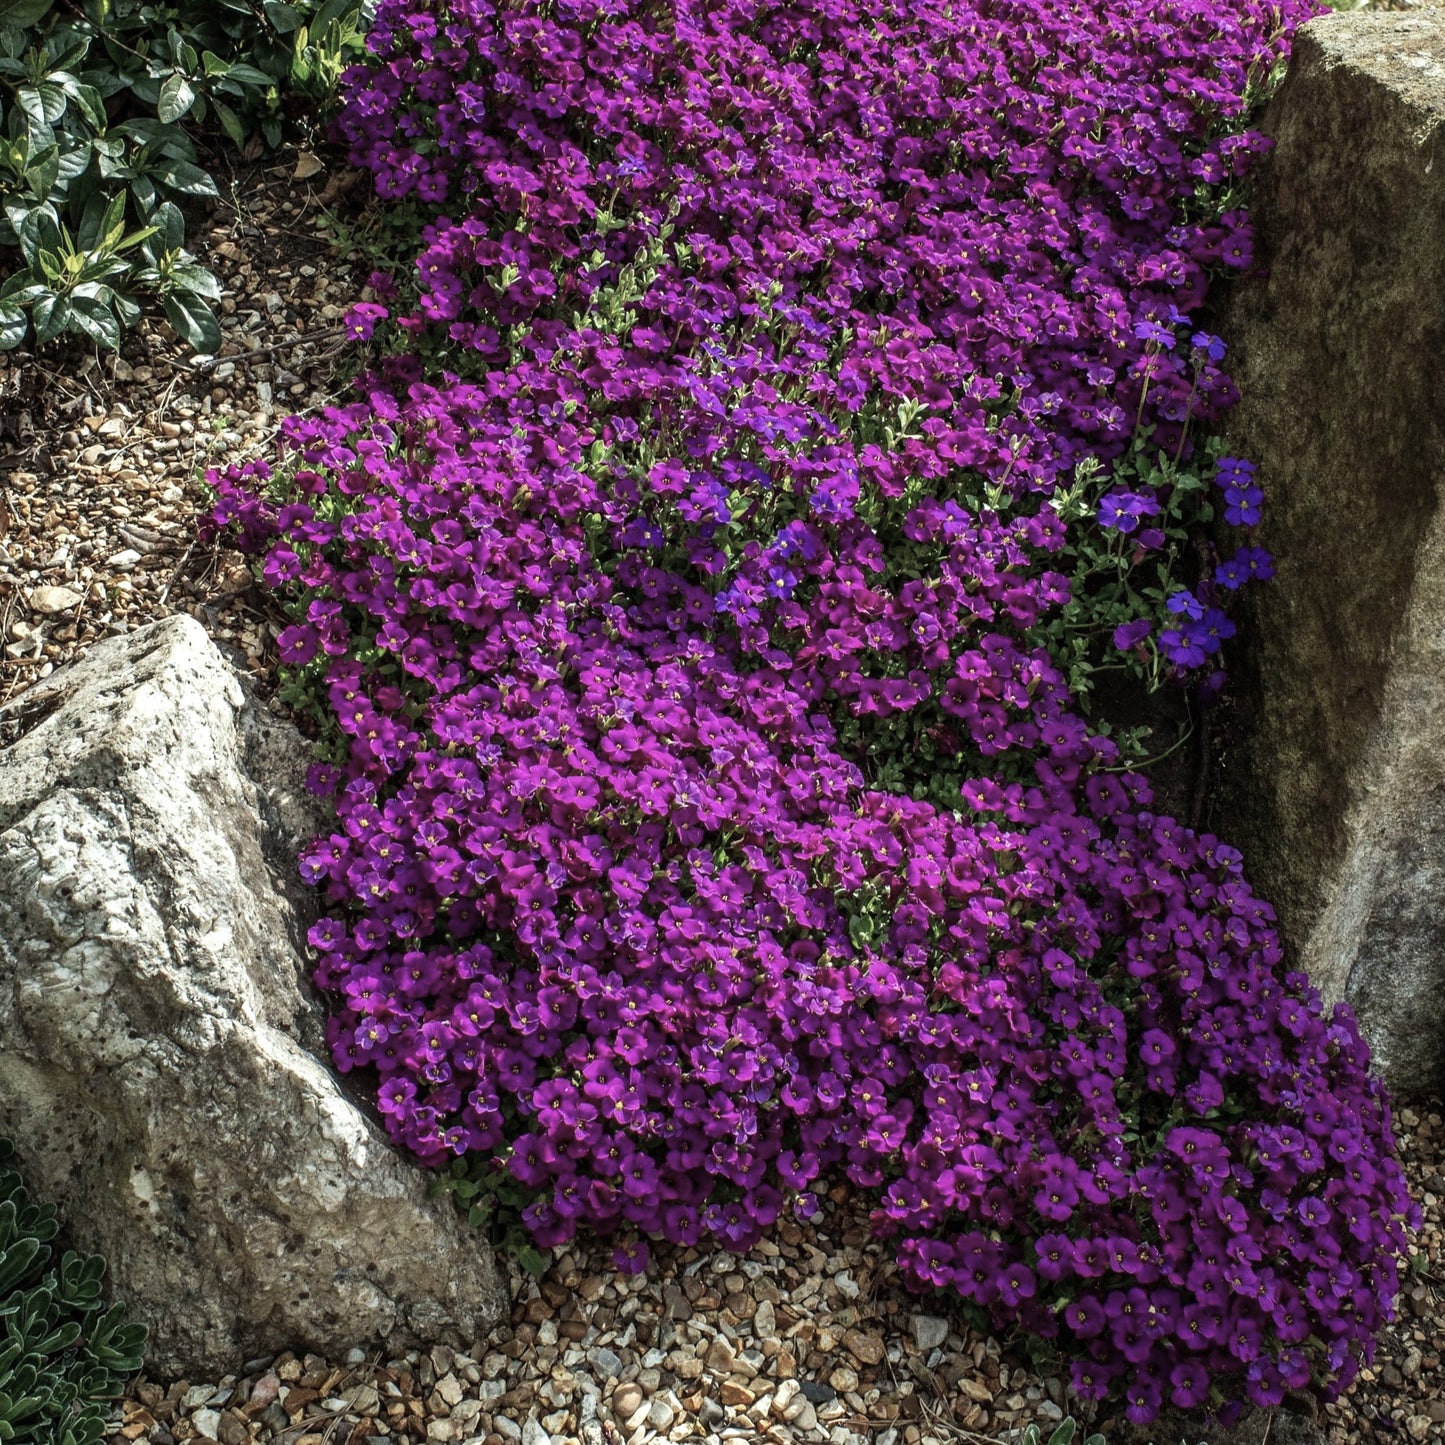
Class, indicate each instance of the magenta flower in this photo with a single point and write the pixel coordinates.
(362, 319)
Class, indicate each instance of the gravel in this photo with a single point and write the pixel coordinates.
(706, 1346)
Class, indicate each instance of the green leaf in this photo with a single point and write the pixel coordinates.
(249, 75)
(117, 1345)
(70, 164)
(188, 276)
(43, 171)
(81, 1278)
(89, 102)
(125, 308)
(193, 320)
(51, 265)
(189, 180)
(40, 231)
(21, 289)
(24, 13)
(108, 80)
(176, 98)
(172, 225)
(531, 1259)
(135, 238)
(96, 320)
(112, 226)
(92, 219)
(285, 18)
(230, 122)
(66, 49)
(16, 1262)
(43, 103)
(51, 315)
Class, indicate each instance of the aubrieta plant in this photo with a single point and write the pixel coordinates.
(793, 407)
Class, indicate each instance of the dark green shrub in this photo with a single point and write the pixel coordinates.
(98, 102)
(63, 1356)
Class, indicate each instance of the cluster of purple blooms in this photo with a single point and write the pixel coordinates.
(756, 300)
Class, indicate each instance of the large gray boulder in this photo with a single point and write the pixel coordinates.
(1337, 791)
(162, 1066)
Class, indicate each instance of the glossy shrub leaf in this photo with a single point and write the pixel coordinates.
(95, 319)
(105, 108)
(21, 13)
(90, 103)
(187, 276)
(194, 321)
(231, 123)
(176, 98)
(286, 18)
(170, 225)
(186, 178)
(43, 103)
(51, 315)
(14, 322)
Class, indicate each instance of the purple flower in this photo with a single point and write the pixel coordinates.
(1185, 604)
(631, 1257)
(1130, 634)
(362, 319)
(1155, 334)
(1207, 346)
(1248, 563)
(1121, 510)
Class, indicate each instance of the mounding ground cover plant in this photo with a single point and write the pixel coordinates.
(64, 1357)
(793, 412)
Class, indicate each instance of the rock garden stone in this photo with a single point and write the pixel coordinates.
(1336, 796)
(162, 1059)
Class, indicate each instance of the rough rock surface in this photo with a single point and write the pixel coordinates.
(1337, 794)
(161, 1057)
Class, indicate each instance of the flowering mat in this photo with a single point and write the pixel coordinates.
(795, 427)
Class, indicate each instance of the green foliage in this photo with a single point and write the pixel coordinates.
(492, 1201)
(98, 102)
(1112, 579)
(63, 1355)
(1063, 1434)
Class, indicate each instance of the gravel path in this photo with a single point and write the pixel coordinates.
(809, 1337)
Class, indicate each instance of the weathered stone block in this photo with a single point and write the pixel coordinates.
(1337, 792)
(162, 1061)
